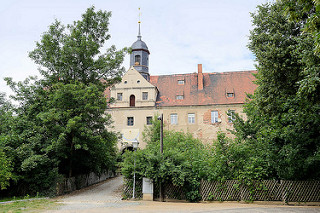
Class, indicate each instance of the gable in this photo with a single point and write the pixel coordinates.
(133, 79)
(133, 91)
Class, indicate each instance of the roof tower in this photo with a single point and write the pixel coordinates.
(139, 57)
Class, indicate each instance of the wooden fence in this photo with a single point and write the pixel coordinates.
(232, 190)
(68, 185)
(267, 190)
(171, 192)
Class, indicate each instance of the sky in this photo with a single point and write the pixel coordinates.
(179, 33)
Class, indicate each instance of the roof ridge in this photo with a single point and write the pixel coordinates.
(215, 73)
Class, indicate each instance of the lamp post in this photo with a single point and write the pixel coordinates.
(160, 118)
(135, 144)
(161, 133)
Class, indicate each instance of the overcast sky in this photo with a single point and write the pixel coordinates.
(179, 33)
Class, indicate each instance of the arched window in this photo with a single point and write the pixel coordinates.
(132, 100)
(137, 59)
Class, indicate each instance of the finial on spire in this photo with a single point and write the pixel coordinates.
(139, 34)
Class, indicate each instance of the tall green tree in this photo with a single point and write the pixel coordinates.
(307, 12)
(73, 52)
(279, 113)
(59, 127)
(6, 166)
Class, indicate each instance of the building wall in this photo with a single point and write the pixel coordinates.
(129, 133)
(202, 128)
(133, 83)
(162, 92)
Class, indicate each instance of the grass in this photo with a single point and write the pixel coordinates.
(36, 205)
(14, 198)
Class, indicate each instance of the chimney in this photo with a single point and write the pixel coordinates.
(200, 77)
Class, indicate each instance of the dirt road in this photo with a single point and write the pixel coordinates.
(106, 197)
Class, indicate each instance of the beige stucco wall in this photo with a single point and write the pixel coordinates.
(129, 133)
(202, 128)
(133, 83)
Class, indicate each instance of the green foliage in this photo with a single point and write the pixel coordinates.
(179, 163)
(283, 113)
(61, 130)
(59, 127)
(6, 166)
(151, 133)
(185, 161)
(307, 12)
(237, 160)
(73, 52)
(5, 170)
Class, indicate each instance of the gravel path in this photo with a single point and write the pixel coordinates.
(99, 196)
(107, 191)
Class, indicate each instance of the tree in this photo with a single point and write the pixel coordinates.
(185, 160)
(279, 116)
(5, 163)
(77, 74)
(180, 163)
(307, 12)
(73, 52)
(59, 127)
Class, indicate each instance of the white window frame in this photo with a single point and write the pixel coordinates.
(119, 96)
(231, 117)
(144, 95)
(214, 116)
(131, 122)
(191, 118)
(174, 118)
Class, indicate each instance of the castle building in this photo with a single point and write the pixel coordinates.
(197, 102)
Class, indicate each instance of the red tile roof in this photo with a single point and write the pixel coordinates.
(215, 88)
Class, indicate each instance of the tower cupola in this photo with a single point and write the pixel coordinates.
(139, 57)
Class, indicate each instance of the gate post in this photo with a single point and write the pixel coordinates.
(147, 189)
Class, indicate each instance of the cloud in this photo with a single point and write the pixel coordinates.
(180, 33)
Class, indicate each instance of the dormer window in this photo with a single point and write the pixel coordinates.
(181, 82)
(137, 59)
(230, 94)
(179, 97)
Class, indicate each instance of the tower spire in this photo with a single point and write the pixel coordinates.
(139, 34)
(139, 57)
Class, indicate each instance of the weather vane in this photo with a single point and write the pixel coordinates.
(139, 34)
(139, 16)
